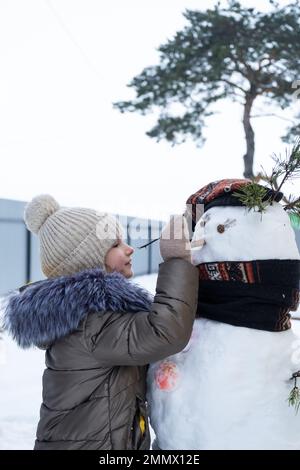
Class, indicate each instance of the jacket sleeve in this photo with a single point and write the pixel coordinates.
(140, 338)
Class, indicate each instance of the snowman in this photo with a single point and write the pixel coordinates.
(229, 388)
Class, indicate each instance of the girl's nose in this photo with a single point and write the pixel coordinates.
(129, 249)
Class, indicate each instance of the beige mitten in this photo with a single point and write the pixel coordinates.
(174, 239)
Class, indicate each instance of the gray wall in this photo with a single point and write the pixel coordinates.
(19, 255)
(13, 245)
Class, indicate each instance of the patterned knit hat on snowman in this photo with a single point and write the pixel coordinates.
(220, 193)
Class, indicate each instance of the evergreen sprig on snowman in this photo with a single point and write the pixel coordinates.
(257, 197)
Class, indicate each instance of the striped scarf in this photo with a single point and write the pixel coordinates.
(252, 294)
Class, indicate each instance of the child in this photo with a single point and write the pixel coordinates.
(98, 329)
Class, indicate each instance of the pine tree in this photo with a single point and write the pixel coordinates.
(233, 52)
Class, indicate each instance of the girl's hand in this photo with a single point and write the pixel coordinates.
(174, 239)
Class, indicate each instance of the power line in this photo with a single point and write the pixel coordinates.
(65, 28)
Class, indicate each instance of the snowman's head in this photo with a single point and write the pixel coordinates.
(228, 231)
(236, 234)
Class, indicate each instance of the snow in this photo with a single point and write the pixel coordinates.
(239, 381)
(148, 282)
(20, 385)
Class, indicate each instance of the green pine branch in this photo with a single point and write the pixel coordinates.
(253, 196)
(287, 168)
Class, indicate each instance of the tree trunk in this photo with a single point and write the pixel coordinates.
(249, 134)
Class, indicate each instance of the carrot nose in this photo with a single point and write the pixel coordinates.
(198, 243)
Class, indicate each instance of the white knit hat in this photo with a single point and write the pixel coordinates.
(71, 239)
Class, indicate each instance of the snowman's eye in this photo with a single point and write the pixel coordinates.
(227, 224)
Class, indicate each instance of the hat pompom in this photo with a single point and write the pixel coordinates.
(38, 210)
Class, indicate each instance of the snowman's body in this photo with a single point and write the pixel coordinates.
(228, 388)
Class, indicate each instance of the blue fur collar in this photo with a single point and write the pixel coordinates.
(48, 310)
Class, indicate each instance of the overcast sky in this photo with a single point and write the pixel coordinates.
(63, 63)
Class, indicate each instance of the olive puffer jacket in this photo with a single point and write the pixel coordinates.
(100, 331)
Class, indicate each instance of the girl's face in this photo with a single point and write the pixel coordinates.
(118, 258)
